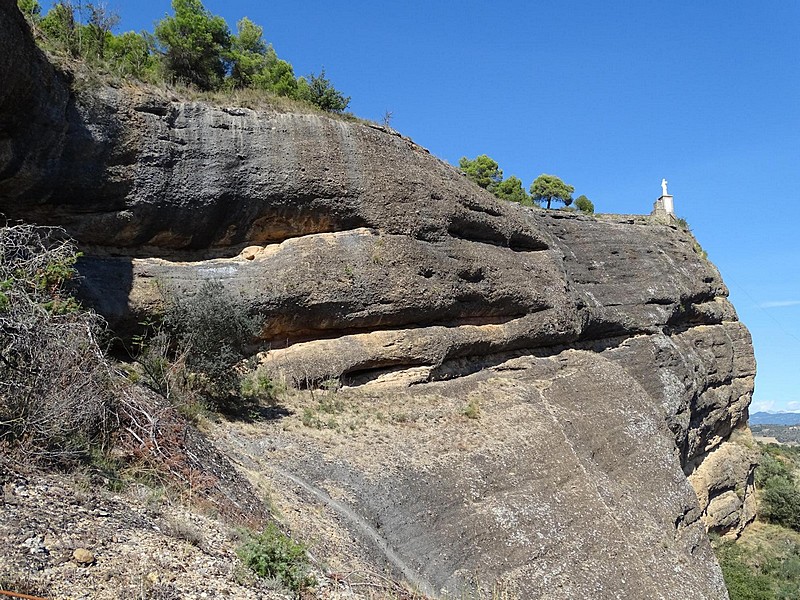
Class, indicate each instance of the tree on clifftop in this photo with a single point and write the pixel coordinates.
(30, 8)
(248, 51)
(195, 44)
(319, 90)
(129, 55)
(549, 188)
(583, 204)
(61, 27)
(511, 189)
(484, 171)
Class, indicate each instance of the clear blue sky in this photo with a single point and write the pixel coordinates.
(611, 96)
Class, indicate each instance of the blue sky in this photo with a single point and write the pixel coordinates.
(611, 96)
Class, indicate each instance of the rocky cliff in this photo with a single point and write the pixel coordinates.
(607, 370)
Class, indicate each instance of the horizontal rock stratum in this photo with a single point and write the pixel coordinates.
(611, 373)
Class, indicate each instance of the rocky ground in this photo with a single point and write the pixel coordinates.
(67, 537)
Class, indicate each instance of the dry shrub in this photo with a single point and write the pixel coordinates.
(183, 529)
(62, 403)
(56, 394)
(159, 446)
(157, 443)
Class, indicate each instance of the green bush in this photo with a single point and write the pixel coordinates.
(319, 91)
(195, 356)
(780, 493)
(473, 409)
(272, 554)
(743, 582)
(211, 331)
(195, 44)
(30, 8)
(511, 190)
(584, 205)
(259, 387)
(780, 502)
(769, 467)
(483, 171)
(129, 55)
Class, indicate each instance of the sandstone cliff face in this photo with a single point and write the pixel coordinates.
(611, 372)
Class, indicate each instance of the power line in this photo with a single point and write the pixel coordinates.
(783, 326)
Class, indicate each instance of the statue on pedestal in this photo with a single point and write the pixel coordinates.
(664, 207)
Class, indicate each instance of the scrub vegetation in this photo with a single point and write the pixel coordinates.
(764, 563)
(67, 405)
(545, 189)
(191, 47)
(51, 359)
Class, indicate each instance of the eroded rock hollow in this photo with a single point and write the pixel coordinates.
(611, 373)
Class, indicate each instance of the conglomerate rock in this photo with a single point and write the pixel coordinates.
(603, 351)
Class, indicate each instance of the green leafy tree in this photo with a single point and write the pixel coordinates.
(318, 90)
(255, 64)
(195, 44)
(511, 189)
(96, 34)
(583, 204)
(30, 8)
(484, 171)
(278, 77)
(82, 30)
(248, 53)
(130, 55)
(61, 29)
(549, 188)
(249, 38)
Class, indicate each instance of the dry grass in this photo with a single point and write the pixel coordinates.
(88, 77)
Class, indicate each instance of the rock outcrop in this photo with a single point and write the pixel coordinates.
(610, 371)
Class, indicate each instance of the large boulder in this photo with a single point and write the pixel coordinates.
(605, 357)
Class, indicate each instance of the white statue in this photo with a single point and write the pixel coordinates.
(664, 187)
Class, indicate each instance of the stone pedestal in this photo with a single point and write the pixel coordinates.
(663, 207)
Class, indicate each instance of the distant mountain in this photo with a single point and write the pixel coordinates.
(780, 418)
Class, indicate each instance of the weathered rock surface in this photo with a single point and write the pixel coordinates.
(63, 538)
(603, 352)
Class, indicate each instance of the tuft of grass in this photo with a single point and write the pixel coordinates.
(183, 529)
(258, 386)
(323, 415)
(473, 409)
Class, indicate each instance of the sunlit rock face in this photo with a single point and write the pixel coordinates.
(612, 374)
